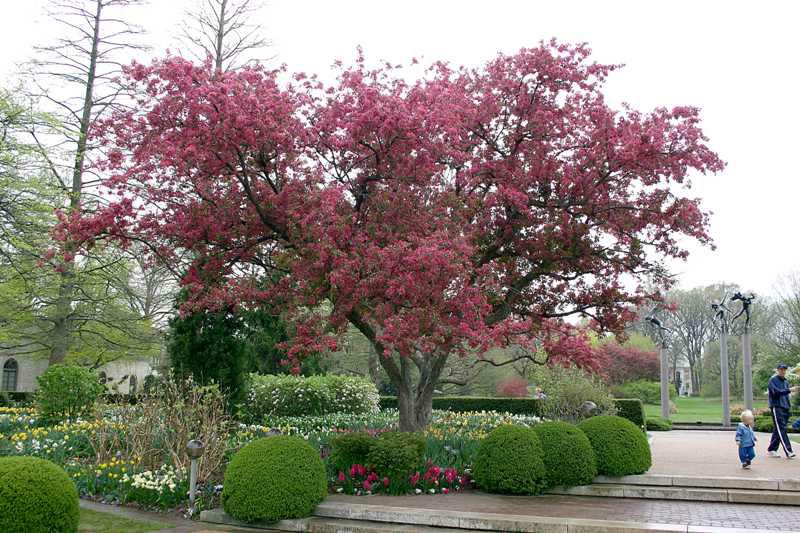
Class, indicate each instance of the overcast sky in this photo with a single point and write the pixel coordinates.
(737, 61)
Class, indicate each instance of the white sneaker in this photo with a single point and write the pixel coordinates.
(791, 455)
(773, 454)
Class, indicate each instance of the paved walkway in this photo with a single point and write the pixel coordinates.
(714, 453)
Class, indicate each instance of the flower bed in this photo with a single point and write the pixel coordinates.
(99, 454)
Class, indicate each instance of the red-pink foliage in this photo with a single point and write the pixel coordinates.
(461, 211)
(627, 363)
(513, 387)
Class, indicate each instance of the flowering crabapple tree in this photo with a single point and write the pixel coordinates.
(464, 210)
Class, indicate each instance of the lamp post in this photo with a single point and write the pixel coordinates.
(194, 449)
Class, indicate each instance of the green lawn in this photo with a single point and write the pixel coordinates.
(97, 522)
(699, 409)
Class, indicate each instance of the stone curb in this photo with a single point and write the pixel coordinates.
(339, 517)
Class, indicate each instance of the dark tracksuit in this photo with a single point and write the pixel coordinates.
(779, 391)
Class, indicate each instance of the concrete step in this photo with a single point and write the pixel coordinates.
(737, 482)
(700, 494)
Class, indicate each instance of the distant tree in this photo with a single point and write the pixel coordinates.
(224, 30)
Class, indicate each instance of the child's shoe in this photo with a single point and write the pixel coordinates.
(746, 465)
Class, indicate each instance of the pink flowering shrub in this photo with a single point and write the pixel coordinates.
(513, 387)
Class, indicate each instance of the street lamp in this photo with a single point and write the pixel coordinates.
(194, 449)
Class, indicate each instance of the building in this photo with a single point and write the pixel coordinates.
(123, 376)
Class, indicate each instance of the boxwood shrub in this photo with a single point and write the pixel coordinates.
(397, 455)
(286, 395)
(462, 404)
(568, 455)
(273, 479)
(350, 449)
(631, 409)
(621, 447)
(36, 496)
(509, 461)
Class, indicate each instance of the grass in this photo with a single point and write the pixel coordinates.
(695, 409)
(97, 522)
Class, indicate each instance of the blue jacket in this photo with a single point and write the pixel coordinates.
(745, 436)
(779, 391)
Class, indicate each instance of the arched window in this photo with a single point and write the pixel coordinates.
(10, 371)
(132, 385)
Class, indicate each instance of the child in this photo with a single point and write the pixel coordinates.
(746, 439)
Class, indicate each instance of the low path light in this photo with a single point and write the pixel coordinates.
(194, 449)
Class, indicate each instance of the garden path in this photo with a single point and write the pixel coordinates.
(714, 454)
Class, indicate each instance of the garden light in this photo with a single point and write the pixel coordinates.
(194, 449)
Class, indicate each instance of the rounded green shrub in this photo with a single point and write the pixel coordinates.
(273, 479)
(36, 496)
(67, 391)
(397, 455)
(350, 449)
(621, 448)
(509, 461)
(568, 455)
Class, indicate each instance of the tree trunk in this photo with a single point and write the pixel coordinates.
(62, 321)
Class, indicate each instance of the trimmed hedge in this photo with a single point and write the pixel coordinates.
(462, 404)
(631, 409)
(273, 479)
(286, 395)
(657, 423)
(647, 390)
(36, 496)
(568, 455)
(350, 449)
(509, 461)
(397, 455)
(621, 447)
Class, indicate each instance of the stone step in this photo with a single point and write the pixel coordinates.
(700, 494)
(738, 482)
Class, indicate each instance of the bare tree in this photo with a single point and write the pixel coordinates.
(787, 334)
(75, 78)
(223, 30)
(692, 324)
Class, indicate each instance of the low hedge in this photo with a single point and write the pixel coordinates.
(36, 496)
(274, 478)
(647, 390)
(568, 455)
(286, 395)
(657, 423)
(621, 447)
(509, 461)
(462, 404)
(631, 409)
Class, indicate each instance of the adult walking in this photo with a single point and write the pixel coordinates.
(779, 391)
